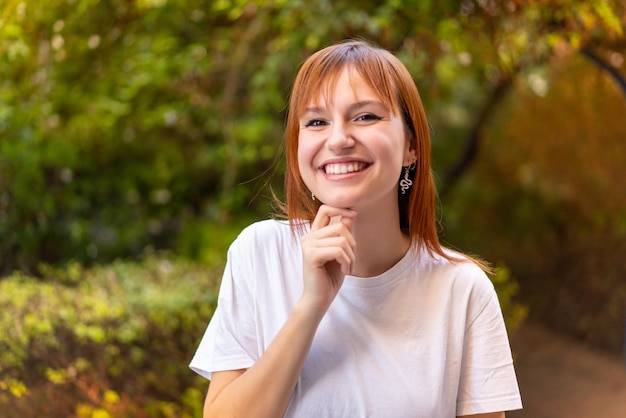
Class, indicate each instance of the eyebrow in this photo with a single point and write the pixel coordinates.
(313, 110)
(352, 107)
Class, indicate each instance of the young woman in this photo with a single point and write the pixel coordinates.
(352, 308)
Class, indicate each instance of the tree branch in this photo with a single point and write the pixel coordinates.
(473, 139)
(227, 106)
(605, 66)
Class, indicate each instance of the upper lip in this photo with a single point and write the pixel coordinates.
(343, 160)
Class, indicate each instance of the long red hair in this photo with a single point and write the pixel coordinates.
(395, 87)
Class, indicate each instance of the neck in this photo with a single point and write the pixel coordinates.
(380, 243)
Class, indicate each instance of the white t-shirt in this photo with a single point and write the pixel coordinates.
(424, 339)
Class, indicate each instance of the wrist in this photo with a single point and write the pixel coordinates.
(309, 310)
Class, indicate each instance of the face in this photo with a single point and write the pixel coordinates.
(351, 147)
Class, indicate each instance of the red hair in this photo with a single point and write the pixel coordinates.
(391, 81)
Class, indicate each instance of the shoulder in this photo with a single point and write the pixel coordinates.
(462, 275)
(463, 287)
(265, 234)
(265, 229)
(264, 256)
(454, 263)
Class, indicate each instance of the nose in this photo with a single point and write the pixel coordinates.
(339, 137)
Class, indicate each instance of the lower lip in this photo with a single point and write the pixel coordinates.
(346, 176)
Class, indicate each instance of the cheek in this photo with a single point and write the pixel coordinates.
(306, 152)
(305, 157)
(301, 154)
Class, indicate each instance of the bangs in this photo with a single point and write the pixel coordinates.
(317, 80)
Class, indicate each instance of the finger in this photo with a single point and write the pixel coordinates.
(318, 251)
(331, 231)
(321, 256)
(327, 214)
(348, 221)
(345, 245)
(335, 219)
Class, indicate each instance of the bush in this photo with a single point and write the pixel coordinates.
(507, 289)
(106, 341)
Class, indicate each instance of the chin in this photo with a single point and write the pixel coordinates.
(342, 202)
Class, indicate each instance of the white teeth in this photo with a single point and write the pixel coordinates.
(338, 168)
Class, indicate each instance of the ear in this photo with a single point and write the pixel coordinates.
(410, 155)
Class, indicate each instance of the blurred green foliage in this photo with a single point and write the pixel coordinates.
(110, 340)
(115, 339)
(112, 135)
(507, 289)
(124, 121)
(131, 126)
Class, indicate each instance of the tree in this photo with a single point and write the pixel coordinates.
(127, 122)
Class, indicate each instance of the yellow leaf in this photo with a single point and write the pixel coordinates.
(607, 15)
(16, 387)
(100, 413)
(110, 396)
(57, 377)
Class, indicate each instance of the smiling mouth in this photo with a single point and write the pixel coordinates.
(344, 168)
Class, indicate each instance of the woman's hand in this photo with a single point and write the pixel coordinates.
(328, 255)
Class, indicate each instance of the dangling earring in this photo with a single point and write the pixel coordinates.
(313, 196)
(406, 182)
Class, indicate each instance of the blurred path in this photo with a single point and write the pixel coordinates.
(562, 378)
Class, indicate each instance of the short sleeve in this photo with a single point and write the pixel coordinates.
(228, 342)
(487, 381)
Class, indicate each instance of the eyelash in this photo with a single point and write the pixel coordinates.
(368, 117)
(361, 118)
(314, 123)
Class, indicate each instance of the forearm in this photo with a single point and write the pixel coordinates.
(265, 389)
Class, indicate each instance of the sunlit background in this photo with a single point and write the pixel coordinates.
(137, 138)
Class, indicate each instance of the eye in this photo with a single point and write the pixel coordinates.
(367, 117)
(315, 123)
